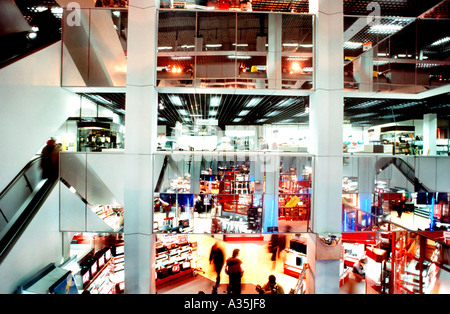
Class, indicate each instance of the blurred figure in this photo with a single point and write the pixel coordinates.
(263, 144)
(50, 159)
(235, 271)
(271, 287)
(217, 256)
(273, 249)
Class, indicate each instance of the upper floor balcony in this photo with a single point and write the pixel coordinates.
(256, 50)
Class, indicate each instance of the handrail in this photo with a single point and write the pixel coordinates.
(19, 175)
(17, 226)
(298, 289)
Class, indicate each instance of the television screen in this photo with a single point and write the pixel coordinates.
(85, 275)
(119, 250)
(101, 261)
(94, 269)
(108, 254)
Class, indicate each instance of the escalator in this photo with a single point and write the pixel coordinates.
(405, 169)
(24, 29)
(20, 201)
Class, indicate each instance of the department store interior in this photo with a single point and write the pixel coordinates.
(234, 164)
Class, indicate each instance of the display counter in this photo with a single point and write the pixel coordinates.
(174, 257)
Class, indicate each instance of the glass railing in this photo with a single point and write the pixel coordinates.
(195, 49)
(234, 50)
(91, 192)
(94, 47)
(396, 54)
(257, 192)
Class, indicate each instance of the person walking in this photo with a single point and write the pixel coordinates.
(234, 269)
(217, 256)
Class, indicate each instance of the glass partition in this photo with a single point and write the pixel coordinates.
(396, 54)
(384, 191)
(94, 47)
(233, 193)
(91, 192)
(231, 50)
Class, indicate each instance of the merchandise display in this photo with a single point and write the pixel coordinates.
(231, 196)
(174, 256)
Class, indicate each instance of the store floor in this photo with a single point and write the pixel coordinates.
(256, 262)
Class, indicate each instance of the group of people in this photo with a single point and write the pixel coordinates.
(235, 270)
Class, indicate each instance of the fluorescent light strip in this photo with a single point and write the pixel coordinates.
(176, 101)
(441, 41)
(181, 58)
(215, 102)
(284, 103)
(253, 102)
(272, 114)
(240, 57)
(384, 29)
(213, 45)
(291, 58)
(352, 45)
(243, 113)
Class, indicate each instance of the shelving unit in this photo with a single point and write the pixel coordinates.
(174, 257)
(294, 199)
(401, 137)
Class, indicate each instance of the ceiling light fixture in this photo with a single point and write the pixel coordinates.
(176, 101)
(215, 102)
(240, 57)
(441, 41)
(384, 29)
(253, 102)
(352, 45)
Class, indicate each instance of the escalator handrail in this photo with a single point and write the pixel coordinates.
(25, 217)
(19, 175)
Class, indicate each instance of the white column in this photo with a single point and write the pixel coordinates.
(140, 144)
(274, 70)
(429, 134)
(366, 182)
(363, 71)
(326, 127)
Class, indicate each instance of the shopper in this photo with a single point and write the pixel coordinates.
(263, 144)
(50, 159)
(217, 256)
(273, 249)
(271, 287)
(234, 269)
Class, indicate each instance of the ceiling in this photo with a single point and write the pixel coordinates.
(269, 109)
